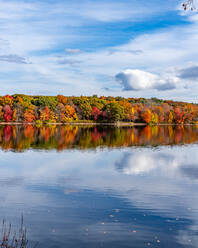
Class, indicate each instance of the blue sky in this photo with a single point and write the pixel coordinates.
(133, 48)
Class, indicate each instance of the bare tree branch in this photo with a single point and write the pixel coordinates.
(189, 4)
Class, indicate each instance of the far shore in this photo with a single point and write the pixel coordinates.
(116, 124)
(78, 123)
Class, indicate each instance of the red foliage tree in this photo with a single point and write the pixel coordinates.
(7, 113)
(178, 115)
(11, 97)
(47, 112)
(95, 113)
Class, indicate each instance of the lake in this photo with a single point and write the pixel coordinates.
(101, 186)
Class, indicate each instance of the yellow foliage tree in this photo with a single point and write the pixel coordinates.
(170, 117)
(69, 115)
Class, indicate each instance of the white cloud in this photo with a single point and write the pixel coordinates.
(112, 11)
(141, 80)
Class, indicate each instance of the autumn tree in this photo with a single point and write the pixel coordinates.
(115, 112)
(29, 115)
(1, 113)
(62, 99)
(178, 113)
(85, 110)
(154, 118)
(6, 100)
(129, 110)
(95, 113)
(7, 113)
(14, 115)
(46, 101)
(146, 116)
(70, 114)
(44, 114)
(170, 117)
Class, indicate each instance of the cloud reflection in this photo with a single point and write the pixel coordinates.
(75, 186)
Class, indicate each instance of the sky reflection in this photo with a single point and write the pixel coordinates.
(122, 197)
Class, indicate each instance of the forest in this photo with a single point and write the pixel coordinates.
(21, 108)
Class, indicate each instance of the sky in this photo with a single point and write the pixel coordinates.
(129, 48)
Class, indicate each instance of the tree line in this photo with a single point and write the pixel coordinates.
(61, 109)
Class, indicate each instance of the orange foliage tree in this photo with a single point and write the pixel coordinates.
(146, 115)
(69, 114)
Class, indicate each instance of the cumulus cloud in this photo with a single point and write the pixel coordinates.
(142, 80)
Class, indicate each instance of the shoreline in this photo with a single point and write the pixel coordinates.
(116, 124)
(77, 123)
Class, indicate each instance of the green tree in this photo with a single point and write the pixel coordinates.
(46, 101)
(115, 112)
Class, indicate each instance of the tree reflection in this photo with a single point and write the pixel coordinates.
(19, 138)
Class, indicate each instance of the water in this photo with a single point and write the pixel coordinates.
(101, 187)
